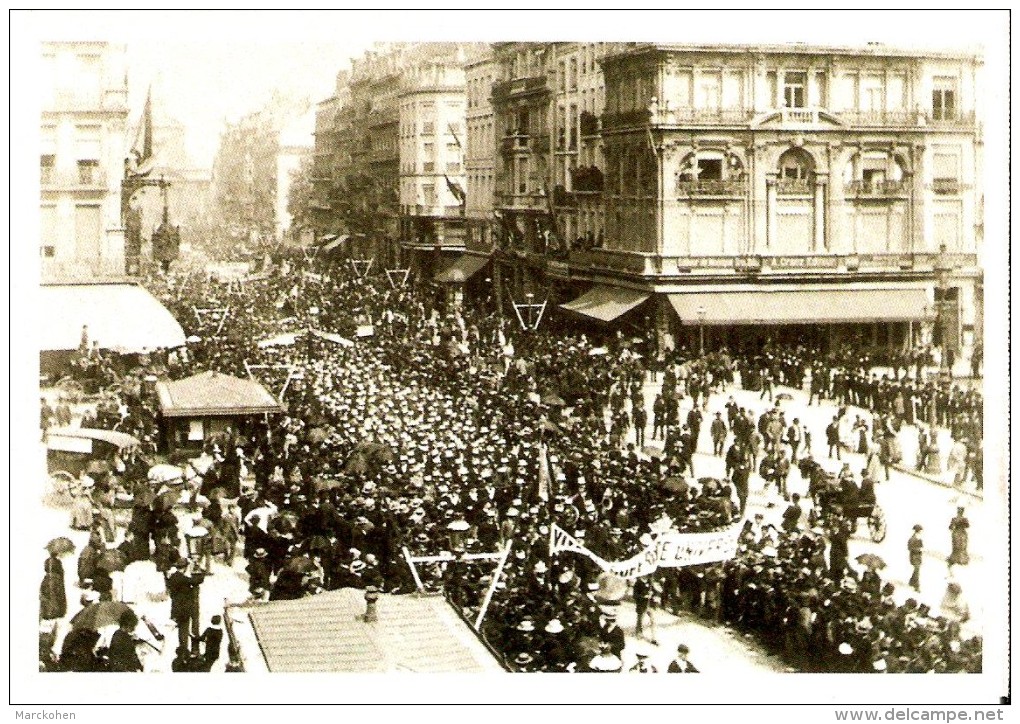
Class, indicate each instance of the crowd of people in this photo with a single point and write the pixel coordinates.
(452, 431)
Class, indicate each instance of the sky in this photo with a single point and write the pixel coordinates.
(207, 67)
(205, 86)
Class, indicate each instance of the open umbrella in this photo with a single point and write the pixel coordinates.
(317, 435)
(202, 463)
(192, 339)
(675, 485)
(60, 546)
(217, 494)
(165, 473)
(553, 400)
(324, 483)
(872, 561)
(550, 426)
(112, 560)
(300, 564)
(99, 615)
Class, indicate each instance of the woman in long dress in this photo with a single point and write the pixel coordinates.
(52, 596)
(959, 535)
(81, 503)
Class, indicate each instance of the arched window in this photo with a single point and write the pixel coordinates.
(796, 170)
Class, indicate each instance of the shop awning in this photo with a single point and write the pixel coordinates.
(838, 305)
(606, 303)
(212, 394)
(120, 317)
(465, 267)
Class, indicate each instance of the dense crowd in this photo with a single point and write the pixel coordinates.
(455, 432)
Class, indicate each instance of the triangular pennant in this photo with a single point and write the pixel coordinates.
(400, 274)
(361, 266)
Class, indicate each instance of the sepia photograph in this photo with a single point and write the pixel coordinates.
(374, 344)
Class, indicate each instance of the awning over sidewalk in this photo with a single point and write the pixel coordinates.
(838, 305)
(120, 317)
(606, 303)
(465, 267)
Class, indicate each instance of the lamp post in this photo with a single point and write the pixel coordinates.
(531, 310)
(943, 273)
(701, 328)
(313, 318)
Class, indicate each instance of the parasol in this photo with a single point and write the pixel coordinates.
(598, 351)
(612, 588)
(784, 396)
(99, 615)
(192, 339)
(356, 464)
(550, 426)
(60, 546)
(675, 485)
(301, 564)
(112, 560)
(165, 473)
(318, 543)
(326, 483)
(553, 400)
(317, 435)
(217, 493)
(872, 561)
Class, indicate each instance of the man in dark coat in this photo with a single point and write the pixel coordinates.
(212, 641)
(610, 633)
(183, 586)
(123, 656)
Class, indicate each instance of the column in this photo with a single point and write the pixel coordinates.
(819, 211)
(917, 241)
(771, 203)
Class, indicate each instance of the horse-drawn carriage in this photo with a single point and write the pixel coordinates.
(833, 494)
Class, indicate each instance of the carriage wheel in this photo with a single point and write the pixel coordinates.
(876, 524)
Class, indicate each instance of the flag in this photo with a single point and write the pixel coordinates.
(455, 189)
(141, 149)
(453, 132)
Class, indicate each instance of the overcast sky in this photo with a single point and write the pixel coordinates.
(208, 67)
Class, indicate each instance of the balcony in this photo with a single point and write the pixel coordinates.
(876, 189)
(882, 118)
(794, 187)
(516, 143)
(624, 120)
(946, 186)
(701, 116)
(518, 87)
(93, 179)
(712, 188)
(960, 119)
(799, 116)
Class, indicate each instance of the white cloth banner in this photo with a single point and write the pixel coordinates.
(668, 549)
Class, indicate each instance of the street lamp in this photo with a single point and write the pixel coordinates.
(531, 309)
(701, 328)
(943, 273)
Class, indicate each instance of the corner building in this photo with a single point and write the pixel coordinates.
(795, 192)
(792, 193)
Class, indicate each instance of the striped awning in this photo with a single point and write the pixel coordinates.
(837, 305)
(606, 303)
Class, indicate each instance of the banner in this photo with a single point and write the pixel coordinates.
(668, 549)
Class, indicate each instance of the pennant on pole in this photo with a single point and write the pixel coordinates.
(544, 483)
(141, 149)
